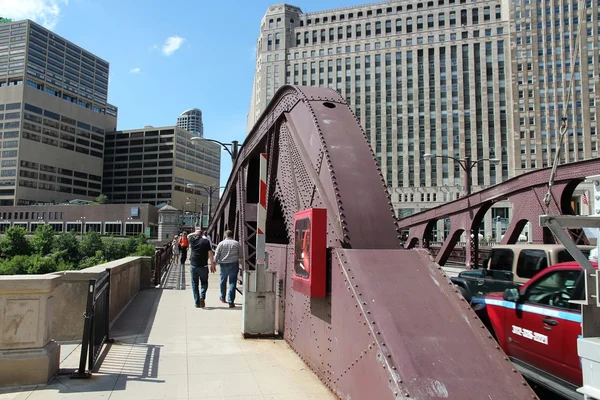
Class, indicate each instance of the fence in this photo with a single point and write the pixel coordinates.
(96, 324)
(163, 258)
(458, 254)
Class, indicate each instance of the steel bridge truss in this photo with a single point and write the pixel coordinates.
(392, 324)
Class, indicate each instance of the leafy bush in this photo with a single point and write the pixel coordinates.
(14, 242)
(17, 265)
(48, 252)
(41, 265)
(67, 244)
(42, 241)
(91, 244)
(145, 250)
(113, 250)
(92, 261)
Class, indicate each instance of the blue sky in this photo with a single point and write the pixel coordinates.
(208, 63)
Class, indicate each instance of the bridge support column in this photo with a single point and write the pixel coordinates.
(28, 354)
(258, 316)
(471, 249)
(258, 310)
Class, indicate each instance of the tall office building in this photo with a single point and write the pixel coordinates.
(481, 79)
(53, 116)
(191, 120)
(155, 165)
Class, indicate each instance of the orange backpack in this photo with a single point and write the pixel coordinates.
(183, 242)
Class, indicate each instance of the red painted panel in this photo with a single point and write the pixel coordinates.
(310, 256)
(263, 194)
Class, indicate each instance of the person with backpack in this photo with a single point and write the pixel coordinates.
(184, 244)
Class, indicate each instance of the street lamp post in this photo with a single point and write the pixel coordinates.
(234, 146)
(210, 191)
(82, 223)
(466, 164)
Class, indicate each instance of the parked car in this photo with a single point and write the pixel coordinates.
(510, 266)
(537, 326)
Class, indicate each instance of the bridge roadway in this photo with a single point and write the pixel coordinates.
(165, 348)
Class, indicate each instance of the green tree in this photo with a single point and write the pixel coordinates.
(14, 242)
(113, 250)
(102, 199)
(129, 245)
(42, 241)
(92, 261)
(67, 245)
(41, 265)
(91, 243)
(15, 266)
(145, 250)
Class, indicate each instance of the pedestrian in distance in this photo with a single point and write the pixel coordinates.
(200, 255)
(229, 256)
(175, 246)
(183, 247)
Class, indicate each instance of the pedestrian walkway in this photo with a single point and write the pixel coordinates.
(166, 348)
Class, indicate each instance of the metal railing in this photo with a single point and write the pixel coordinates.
(96, 324)
(163, 259)
(459, 256)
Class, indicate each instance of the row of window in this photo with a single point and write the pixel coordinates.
(386, 27)
(78, 57)
(52, 187)
(35, 215)
(55, 88)
(110, 228)
(108, 182)
(153, 198)
(96, 86)
(376, 12)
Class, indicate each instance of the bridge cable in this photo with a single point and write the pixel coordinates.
(564, 126)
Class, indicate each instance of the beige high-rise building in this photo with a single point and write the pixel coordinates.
(156, 165)
(53, 117)
(479, 79)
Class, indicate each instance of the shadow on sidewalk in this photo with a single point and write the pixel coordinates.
(138, 318)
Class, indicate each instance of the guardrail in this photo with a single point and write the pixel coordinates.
(96, 325)
(458, 255)
(163, 259)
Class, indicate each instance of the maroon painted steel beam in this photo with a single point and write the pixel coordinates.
(392, 325)
(538, 178)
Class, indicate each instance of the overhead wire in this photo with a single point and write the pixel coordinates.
(564, 128)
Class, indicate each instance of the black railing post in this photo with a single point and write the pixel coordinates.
(96, 329)
(82, 373)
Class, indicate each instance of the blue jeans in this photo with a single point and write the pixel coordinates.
(199, 273)
(229, 270)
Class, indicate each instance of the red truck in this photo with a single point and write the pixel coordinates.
(537, 326)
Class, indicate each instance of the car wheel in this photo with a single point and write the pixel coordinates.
(464, 293)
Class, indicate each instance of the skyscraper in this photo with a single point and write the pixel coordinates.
(191, 120)
(54, 112)
(155, 165)
(483, 79)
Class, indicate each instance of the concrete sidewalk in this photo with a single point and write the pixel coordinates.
(165, 348)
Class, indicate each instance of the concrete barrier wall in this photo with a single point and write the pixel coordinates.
(36, 311)
(128, 276)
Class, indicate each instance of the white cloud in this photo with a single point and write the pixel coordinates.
(135, 70)
(44, 12)
(171, 45)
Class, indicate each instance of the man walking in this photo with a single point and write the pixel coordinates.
(229, 256)
(200, 254)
